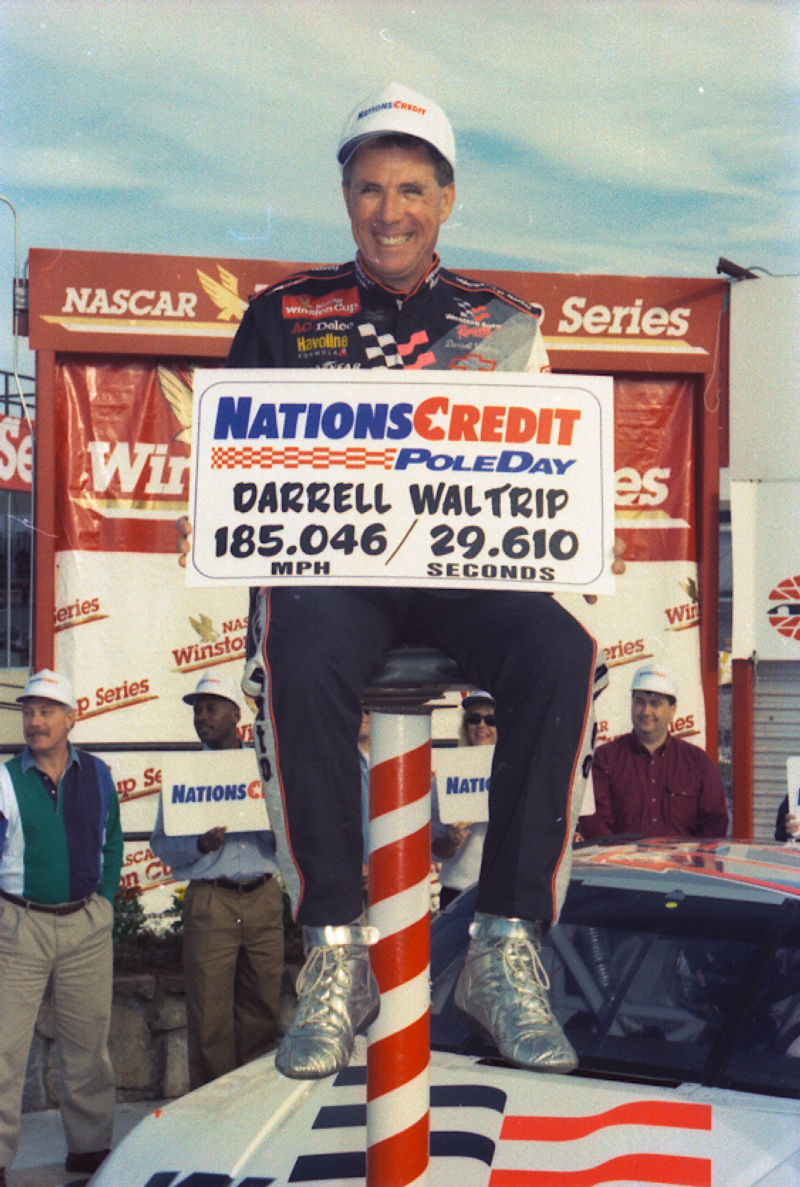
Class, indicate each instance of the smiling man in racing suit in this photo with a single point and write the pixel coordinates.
(317, 648)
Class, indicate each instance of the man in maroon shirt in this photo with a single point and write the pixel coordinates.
(652, 784)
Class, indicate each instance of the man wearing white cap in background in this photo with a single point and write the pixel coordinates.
(60, 863)
(650, 783)
(232, 916)
(315, 649)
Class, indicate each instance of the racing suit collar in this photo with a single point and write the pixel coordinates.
(428, 281)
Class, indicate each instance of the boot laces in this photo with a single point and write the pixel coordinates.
(325, 972)
(523, 968)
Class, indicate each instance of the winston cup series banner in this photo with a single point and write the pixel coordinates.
(134, 637)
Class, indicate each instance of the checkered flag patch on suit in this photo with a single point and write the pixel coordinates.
(383, 351)
(380, 349)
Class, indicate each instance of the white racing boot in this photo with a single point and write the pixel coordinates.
(502, 992)
(338, 999)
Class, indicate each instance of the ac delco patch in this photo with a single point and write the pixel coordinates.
(343, 303)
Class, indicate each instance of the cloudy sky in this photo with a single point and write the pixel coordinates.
(603, 136)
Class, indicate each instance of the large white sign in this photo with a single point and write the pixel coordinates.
(456, 480)
(208, 788)
(766, 569)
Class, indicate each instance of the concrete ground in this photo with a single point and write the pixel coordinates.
(42, 1149)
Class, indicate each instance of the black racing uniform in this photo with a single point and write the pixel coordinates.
(342, 318)
(315, 649)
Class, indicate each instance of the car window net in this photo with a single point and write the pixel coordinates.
(659, 987)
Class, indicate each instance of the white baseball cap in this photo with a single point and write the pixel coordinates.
(51, 686)
(397, 109)
(477, 694)
(652, 677)
(212, 685)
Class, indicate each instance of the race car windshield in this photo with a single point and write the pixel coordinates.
(658, 987)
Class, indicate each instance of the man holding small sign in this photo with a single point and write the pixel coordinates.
(316, 648)
(232, 913)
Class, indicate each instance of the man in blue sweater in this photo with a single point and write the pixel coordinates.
(60, 863)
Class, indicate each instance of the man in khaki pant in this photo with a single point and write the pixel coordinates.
(232, 916)
(60, 862)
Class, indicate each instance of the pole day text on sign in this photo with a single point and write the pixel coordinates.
(452, 480)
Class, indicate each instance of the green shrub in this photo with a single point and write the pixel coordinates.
(129, 918)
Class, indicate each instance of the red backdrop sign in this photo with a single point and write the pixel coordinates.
(117, 338)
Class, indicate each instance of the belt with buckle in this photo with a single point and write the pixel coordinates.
(45, 908)
(241, 887)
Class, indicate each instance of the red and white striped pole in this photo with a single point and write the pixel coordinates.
(398, 1053)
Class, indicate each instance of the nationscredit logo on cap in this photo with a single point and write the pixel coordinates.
(397, 109)
(212, 685)
(654, 678)
(51, 687)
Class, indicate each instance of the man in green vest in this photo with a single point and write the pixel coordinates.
(60, 863)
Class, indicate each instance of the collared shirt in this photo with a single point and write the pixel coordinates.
(674, 792)
(61, 844)
(241, 857)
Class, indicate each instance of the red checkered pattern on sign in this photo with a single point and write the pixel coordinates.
(246, 457)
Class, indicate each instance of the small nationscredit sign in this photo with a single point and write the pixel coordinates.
(462, 782)
(207, 788)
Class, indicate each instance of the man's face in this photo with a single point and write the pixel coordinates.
(651, 714)
(364, 731)
(46, 725)
(396, 207)
(481, 729)
(215, 721)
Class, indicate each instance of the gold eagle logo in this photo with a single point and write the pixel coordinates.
(224, 293)
(205, 628)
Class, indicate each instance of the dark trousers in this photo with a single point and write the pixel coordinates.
(320, 648)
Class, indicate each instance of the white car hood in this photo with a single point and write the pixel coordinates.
(489, 1126)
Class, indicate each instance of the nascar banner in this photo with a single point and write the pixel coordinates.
(132, 637)
(138, 778)
(655, 611)
(426, 479)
